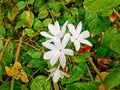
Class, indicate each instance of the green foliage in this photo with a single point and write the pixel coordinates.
(76, 74)
(41, 83)
(112, 80)
(83, 86)
(21, 5)
(43, 13)
(115, 42)
(96, 23)
(23, 20)
(100, 5)
(29, 31)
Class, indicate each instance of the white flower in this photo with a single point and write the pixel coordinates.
(58, 50)
(56, 74)
(77, 37)
(55, 31)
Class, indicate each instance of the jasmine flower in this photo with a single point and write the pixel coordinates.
(78, 37)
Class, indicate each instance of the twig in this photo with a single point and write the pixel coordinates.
(51, 14)
(90, 73)
(34, 73)
(95, 68)
(1, 54)
(55, 86)
(116, 12)
(18, 50)
(12, 84)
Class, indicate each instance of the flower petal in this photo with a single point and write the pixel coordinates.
(85, 34)
(62, 60)
(68, 52)
(64, 74)
(48, 45)
(65, 40)
(64, 28)
(56, 76)
(48, 55)
(71, 29)
(77, 45)
(57, 42)
(57, 25)
(45, 34)
(52, 29)
(83, 41)
(79, 28)
(54, 58)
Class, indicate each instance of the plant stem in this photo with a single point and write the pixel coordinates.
(34, 73)
(18, 50)
(6, 43)
(90, 73)
(56, 87)
(12, 84)
(116, 12)
(95, 68)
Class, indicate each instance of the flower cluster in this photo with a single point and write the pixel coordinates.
(57, 42)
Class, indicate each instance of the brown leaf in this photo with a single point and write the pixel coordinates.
(24, 78)
(9, 71)
(102, 87)
(106, 61)
(118, 24)
(103, 75)
(58, 14)
(113, 16)
(68, 1)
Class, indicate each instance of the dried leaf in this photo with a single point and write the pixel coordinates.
(113, 17)
(102, 87)
(9, 71)
(103, 75)
(24, 78)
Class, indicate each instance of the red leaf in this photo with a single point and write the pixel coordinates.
(86, 48)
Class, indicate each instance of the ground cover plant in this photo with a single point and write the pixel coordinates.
(59, 45)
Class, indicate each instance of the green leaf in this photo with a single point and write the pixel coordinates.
(43, 13)
(30, 1)
(74, 11)
(115, 43)
(1, 44)
(11, 14)
(21, 5)
(109, 34)
(112, 80)
(2, 31)
(69, 17)
(106, 13)
(34, 53)
(6, 85)
(40, 83)
(101, 51)
(83, 86)
(36, 63)
(54, 6)
(76, 74)
(8, 54)
(96, 23)
(38, 25)
(100, 5)
(82, 57)
(27, 18)
(47, 21)
(29, 31)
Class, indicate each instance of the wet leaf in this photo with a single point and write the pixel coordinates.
(40, 83)
(21, 5)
